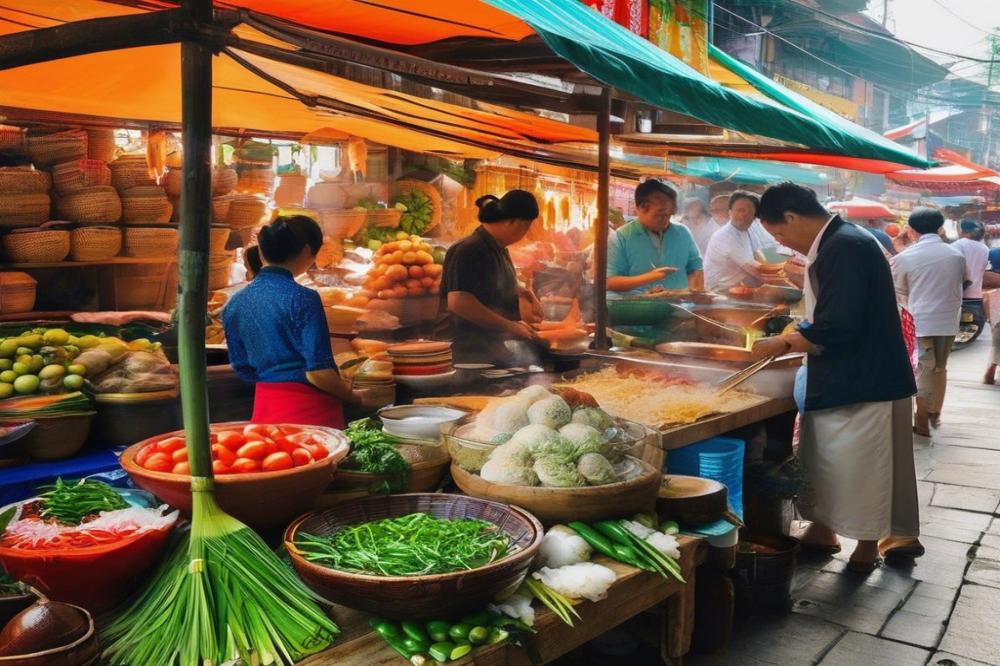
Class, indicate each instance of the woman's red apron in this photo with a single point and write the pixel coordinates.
(292, 402)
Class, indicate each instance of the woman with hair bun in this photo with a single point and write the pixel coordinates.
(481, 301)
(277, 333)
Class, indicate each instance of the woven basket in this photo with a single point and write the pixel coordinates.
(49, 149)
(218, 237)
(218, 271)
(91, 206)
(36, 246)
(130, 171)
(101, 145)
(24, 210)
(145, 287)
(385, 217)
(79, 174)
(95, 243)
(143, 242)
(24, 180)
(342, 224)
(224, 181)
(246, 212)
(172, 181)
(256, 181)
(145, 204)
(17, 292)
(12, 138)
(220, 209)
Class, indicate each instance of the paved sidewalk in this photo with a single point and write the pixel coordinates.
(945, 610)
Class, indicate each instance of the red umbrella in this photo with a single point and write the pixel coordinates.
(858, 208)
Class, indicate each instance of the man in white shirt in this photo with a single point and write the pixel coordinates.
(730, 258)
(930, 276)
(977, 256)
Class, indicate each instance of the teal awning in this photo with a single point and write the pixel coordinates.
(619, 58)
(748, 172)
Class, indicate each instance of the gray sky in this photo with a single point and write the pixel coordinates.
(957, 26)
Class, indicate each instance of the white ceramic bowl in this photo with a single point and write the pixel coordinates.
(421, 422)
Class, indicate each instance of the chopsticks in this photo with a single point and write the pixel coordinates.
(737, 378)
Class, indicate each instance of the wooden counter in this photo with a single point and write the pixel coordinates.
(676, 437)
(635, 591)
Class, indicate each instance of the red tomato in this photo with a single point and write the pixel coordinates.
(318, 451)
(277, 461)
(223, 455)
(290, 429)
(245, 466)
(232, 440)
(170, 444)
(218, 467)
(301, 457)
(270, 447)
(181, 468)
(272, 430)
(284, 444)
(180, 455)
(255, 430)
(254, 450)
(143, 455)
(159, 462)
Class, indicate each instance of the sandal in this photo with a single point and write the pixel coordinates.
(899, 548)
(864, 567)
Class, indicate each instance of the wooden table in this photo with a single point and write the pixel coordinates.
(678, 436)
(635, 591)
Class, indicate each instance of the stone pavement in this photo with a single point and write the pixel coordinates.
(944, 610)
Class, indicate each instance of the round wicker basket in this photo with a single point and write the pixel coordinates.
(130, 171)
(12, 138)
(24, 180)
(91, 206)
(95, 243)
(218, 271)
(146, 204)
(342, 224)
(101, 144)
(17, 292)
(73, 176)
(246, 212)
(224, 181)
(256, 181)
(145, 286)
(48, 149)
(218, 237)
(145, 242)
(24, 210)
(25, 247)
(220, 209)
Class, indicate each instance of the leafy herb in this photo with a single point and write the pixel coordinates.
(374, 452)
(9, 586)
(412, 545)
(70, 503)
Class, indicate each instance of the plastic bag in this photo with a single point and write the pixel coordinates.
(137, 372)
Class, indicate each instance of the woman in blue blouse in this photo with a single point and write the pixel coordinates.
(278, 336)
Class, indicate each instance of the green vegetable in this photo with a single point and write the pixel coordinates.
(412, 545)
(385, 628)
(9, 586)
(670, 527)
(479, 635)
(415, 631)
(438, 630)
(498, 635)
(483, 618)
(460, 651)
(556, 602)
(70, 503)
(374, 452)
(646, 520)
(442, 651)
(460, 631)
(414, 646)
(596, 540)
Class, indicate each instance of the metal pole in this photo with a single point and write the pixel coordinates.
(196, 202)
(601, 232)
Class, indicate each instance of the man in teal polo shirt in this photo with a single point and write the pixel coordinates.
(650, 251)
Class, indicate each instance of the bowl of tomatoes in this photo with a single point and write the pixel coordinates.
(265, 475)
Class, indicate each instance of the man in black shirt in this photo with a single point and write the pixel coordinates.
(856, 442)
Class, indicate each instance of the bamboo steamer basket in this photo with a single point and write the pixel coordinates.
(24, 210)
(17, 292)
(218, 238)
(149, 243)
(95, 243)
(43, 246)
(91, 206)
(68, 177)
(48, 149)
(291, 190)
(246, 212)
(146, 204)
(145, 287)
(559, 505)
(256, 181)
(218, 271)
(130, 171)
(101, 145)
(12, 138)
(24, 180)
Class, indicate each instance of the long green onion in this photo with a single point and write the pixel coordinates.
(555, 602)
(70, 503)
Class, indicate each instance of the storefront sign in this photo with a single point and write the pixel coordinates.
(680, 27)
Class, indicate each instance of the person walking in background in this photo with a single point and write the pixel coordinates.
(991, 280)
(731, 256)
(855, 441)
(718, 208)
(695, 217)
(930, 276)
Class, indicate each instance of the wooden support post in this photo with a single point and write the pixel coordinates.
(196, 206)
(601, 232)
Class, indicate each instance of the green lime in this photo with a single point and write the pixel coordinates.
(37, 363)
(77, 369)
(24, 358)
(73, 382)
(6, 364)
(8, 376)
(71, 350)
(20, 368)
(8, 347)
(52, 372)
(26, 384)
(6, 390)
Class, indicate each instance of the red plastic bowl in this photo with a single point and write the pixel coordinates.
(96, 578)
(262, 500)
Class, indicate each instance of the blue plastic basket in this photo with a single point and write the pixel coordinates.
(718, 458)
